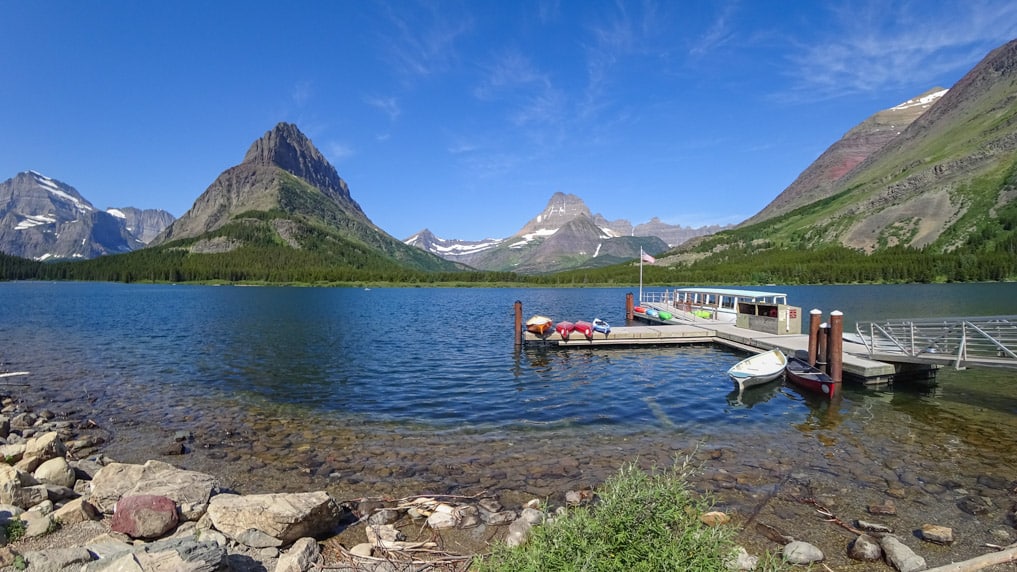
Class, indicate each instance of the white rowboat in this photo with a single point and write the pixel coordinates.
(758, 369)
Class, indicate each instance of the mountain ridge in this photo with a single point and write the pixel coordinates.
(564, 235)
(42, 218)
(945, 184)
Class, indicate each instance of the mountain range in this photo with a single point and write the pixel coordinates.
(936, 173)
(563, 236)
(45, 219)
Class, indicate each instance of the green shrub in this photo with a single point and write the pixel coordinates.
(643, 521)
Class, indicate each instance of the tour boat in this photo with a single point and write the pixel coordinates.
(719, 304)
(759, 368)
(538, 325)
(810, 378)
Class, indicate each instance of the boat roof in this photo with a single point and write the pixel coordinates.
(733, 292)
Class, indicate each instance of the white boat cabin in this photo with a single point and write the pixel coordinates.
(751, 309)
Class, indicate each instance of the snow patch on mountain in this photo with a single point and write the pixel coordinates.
(32, 221)
(925, 101)
(51, 186)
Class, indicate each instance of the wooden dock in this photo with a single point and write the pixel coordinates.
(857, 367)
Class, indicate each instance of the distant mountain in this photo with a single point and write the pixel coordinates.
(145, 224)
(287, 198)
(945, 183)
(45, 219)
(565, 235)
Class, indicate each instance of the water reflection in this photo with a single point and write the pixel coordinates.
(752, 396)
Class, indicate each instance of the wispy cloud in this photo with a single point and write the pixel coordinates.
(720, 33)
(302, 92)
(388, 105)
(336, 151)
(632, 30)
(879, 45)
(528, 93)
(421, 38)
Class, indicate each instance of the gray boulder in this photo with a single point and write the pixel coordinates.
(273, 519)
(190, 490)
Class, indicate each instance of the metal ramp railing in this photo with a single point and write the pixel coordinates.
(960, 342)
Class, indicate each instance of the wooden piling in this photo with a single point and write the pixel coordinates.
(629, 305)
(519, 323)
(836, 346)
(823, 353)
(815, 317)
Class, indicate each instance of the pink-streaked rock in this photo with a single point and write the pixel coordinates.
(145, 516)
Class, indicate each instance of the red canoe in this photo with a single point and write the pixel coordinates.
(585, 328)
(810, 378)
(564, 329)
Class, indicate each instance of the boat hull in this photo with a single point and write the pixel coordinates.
(758, 369)
(539, 325)
(585, 328)
(564, 329)
(601, 326)
(810, 378)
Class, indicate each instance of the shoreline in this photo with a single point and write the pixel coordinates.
(752, 483)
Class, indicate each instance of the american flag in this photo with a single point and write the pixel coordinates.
(647, 258)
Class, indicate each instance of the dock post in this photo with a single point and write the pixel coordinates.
(823, 355)
(815, 316)
(629, 313)
(519, 323)
(836, 346)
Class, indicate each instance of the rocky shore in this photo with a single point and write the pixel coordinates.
(71, 507)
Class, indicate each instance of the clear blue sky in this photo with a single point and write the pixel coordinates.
(465, 117)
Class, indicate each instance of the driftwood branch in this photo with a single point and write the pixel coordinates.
(979, 562)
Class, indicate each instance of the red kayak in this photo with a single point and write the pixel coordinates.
(585, 328)
(810, 378)
(639, 310)
(564, 329)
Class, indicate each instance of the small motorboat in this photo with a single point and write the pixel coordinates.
(564, 329)
(539, 325)
(758, 369)
(601, 326)
(810, 377)
(585, 328)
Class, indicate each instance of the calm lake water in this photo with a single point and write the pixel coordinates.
(362, 389)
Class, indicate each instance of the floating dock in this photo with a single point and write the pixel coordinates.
(856, 364)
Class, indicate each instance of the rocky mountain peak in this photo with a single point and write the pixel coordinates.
(286, 147)
(561, 209)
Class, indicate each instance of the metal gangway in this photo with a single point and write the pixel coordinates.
(960, 342)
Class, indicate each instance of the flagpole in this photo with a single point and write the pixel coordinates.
(640, 275)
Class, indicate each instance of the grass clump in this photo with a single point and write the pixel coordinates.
(643, 521)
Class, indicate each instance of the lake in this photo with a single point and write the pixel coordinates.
(403, 389)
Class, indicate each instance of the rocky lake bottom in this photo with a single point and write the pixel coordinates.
(878, 461)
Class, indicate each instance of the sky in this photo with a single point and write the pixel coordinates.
(466, 117)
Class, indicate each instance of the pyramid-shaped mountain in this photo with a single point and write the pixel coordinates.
(287, 193)
(563, 236)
